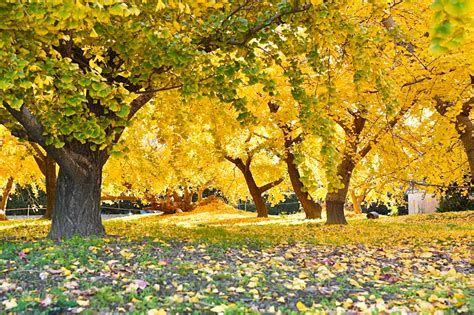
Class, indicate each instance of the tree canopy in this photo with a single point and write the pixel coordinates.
(327, 99)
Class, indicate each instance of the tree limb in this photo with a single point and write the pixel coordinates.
(35, 131)
(268, 186)
(237, 162)
(267, 23)
(363, 152)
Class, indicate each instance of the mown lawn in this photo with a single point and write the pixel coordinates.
(222, 260)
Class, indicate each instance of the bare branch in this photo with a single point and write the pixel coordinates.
(266, 23)
(268, 186)
(363, 152)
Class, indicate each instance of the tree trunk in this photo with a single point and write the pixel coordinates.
(255, 191)
(50, 174)
(311, 208)
(78, 187)
(335, 212)
(4, 202)
(262, 211)
(465, 129)
(77, 206)
(335, 200)
(356, 200)
(200, 192)
(187, 199)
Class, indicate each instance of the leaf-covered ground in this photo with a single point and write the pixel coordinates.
(222, 260)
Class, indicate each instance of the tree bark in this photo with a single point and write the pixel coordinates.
(77, 206)
(335, 200)
(311, 208)
(187, 199)
(255, 191)
(356, 200)
(261, 207)
(4, 202)
(335, 212)
(50, 174)
(200, 192)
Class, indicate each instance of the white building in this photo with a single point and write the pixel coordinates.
(421, 202)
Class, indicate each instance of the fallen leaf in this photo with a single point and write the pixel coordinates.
(9, 304)
(300, 306)
(82, 302)
(218, 309)
(46, 301)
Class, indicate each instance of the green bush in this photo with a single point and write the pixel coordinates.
(455, 200)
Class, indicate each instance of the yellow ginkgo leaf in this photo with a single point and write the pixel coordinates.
(300, 306)
(93, 33)
(160, 5)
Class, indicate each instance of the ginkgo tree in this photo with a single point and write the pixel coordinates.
(405, 159)
(366, 75)
(73, 80)
(249, 150)
(170, 155)
(442, 80)
(277, 115)
(445, 70)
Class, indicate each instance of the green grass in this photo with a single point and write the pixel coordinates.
(197, 262)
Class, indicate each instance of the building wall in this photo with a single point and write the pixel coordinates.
(421, 202)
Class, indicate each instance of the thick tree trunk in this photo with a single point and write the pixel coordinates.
(335, 200)
(77, 206)
(311, 208)
(4, 202)
(50, 174)
(335, 212)
(262, 211)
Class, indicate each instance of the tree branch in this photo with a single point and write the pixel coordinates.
(267, 23)
(342, 124)
(139, 102)
(209, 41)
(268, 186)
(363, 152)
(35, 131)
(38, 150)
(237, 162)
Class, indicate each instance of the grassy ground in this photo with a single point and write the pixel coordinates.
(218, 259)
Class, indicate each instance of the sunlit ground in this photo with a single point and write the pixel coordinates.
(219, 259)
